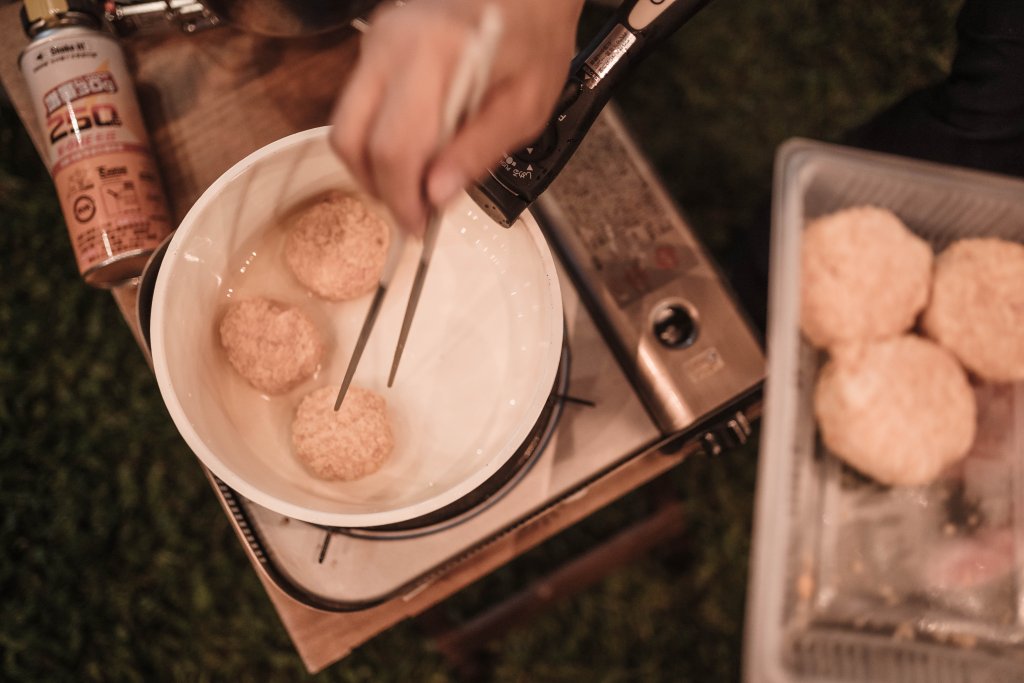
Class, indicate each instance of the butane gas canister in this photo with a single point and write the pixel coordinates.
(97, 149)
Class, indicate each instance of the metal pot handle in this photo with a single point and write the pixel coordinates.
(635, 29)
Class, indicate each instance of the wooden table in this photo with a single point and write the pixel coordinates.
(209, 100)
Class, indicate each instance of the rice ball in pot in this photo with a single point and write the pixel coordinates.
(336, 247)
(345, 445)
(977, 306)
(273, 346)
(864, 276)
(899, 410)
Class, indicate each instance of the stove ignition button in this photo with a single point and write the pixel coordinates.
(674, 326)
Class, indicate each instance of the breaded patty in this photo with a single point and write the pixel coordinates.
(348, 444)
(864, 276)
(337, 247)
(272, 345)
(977, 306)
(899, 410)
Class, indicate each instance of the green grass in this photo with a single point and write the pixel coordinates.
(117, 562)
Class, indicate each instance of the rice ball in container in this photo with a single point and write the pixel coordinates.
(864, 276)
(347, 444)
(272, 345)
(900, 410)
(336, 247)
(977, 306)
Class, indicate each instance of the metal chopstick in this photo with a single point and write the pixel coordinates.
(468, 86)
(371, 317)
(429, 241)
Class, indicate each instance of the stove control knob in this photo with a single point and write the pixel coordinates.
(674, 325)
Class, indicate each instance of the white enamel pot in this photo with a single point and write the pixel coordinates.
(477, 371)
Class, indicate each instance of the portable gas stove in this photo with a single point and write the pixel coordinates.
(661, 358)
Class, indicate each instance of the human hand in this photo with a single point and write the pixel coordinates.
(386, 124)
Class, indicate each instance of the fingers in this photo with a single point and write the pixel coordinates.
(352, 119)
(386, 123)
(510, 118)
(402, 139)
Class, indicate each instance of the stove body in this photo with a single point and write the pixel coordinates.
(658, 346)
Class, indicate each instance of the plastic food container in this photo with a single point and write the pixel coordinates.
(851, 580)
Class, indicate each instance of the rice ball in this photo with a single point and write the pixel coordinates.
(864, 276)
(977, 306)
(900, 410)
(348, 444)
(272, 345)
(336, 247)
